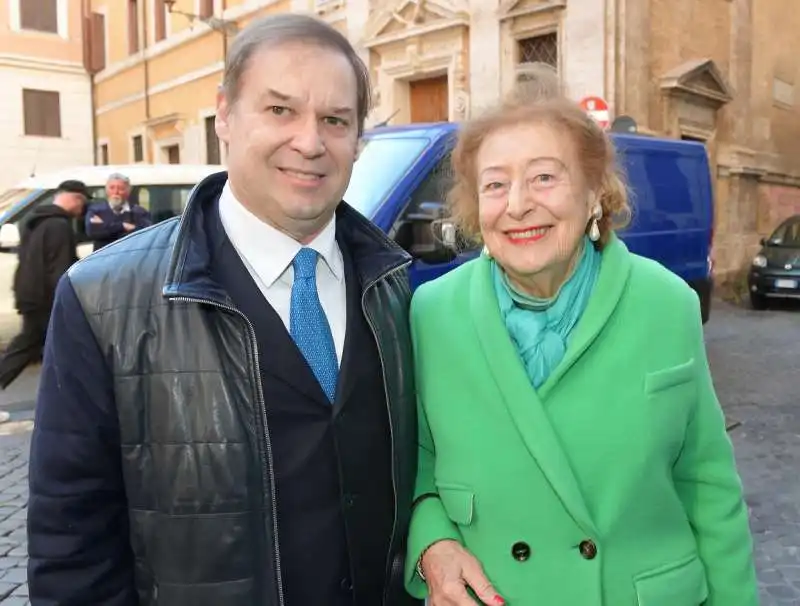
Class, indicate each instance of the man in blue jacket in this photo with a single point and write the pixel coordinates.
(109, 220)
(226, 412)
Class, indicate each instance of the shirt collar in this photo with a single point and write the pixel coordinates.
(268, 250)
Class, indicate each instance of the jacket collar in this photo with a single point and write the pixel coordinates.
(373, 253)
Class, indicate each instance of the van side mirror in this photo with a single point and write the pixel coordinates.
(427, 235)
(9, 237)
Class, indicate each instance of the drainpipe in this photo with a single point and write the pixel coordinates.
(87, 18)
(224, 35)
(146, 70)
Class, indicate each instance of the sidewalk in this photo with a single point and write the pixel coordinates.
(18, 400)
(20, 397)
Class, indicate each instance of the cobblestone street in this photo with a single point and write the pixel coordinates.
(755, 357)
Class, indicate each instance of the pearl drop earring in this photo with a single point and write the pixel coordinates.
(594, 229)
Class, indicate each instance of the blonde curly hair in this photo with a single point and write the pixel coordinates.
(540, 98)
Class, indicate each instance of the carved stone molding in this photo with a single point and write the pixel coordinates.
(509, 9)
(400, 19)
(701, 78)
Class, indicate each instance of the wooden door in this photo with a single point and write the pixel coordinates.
(429, 100)
(173, 154)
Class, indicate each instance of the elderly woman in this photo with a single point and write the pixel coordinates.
(572, 448)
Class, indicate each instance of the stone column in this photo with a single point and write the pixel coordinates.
(484, 55)
(583, 48)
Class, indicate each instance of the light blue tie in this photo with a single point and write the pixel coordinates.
(308, 324)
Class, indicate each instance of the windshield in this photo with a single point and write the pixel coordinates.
(381, 164)
(11, 198)
(787, 234)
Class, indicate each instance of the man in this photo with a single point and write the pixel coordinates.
(109, 220)
(226, 412)
(46, 250)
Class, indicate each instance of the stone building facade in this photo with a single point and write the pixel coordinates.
(724, 72)
(46, 107)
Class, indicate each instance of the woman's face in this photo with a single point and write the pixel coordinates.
(534, 205)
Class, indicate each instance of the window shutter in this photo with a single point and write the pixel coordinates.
(98, 37)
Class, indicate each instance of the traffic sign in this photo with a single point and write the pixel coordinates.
(597, 108)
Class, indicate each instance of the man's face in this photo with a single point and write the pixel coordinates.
(292, 136)
(117, 191)
(74, 203)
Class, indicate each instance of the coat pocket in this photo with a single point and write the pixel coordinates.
(458, 502)
(667, 378)
(681, 583)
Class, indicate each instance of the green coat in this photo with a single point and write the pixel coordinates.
(615, 483)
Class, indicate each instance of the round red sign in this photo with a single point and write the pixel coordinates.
(597, 108)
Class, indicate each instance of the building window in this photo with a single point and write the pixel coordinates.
(103, 159)
(206, 9)
(212, 142)
(138, 148)
(133, 26)
(39, 15)
(173, 154)
(42, 113)
(539, 49)
(160, 20)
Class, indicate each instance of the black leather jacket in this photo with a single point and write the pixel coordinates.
(196, 457)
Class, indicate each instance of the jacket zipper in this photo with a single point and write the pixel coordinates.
(374, 331)
(267, 466)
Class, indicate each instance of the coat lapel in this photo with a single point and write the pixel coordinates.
(352, 367)
(520, 397)
(608, 289)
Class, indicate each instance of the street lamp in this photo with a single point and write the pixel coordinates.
(215, 23)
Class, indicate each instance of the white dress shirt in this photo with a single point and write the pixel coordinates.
(268, 253)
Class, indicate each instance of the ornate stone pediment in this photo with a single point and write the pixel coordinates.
(397, 17)
(700, 77)
(518, 8)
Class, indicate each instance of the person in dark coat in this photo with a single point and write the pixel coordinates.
(47, 249)
(226, 414)
(110, 219)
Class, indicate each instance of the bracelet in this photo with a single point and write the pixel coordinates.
(419, 561)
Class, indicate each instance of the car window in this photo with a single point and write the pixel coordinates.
(381, 163)
(163, 202)
(11, 198)
(787, 234)
(665, 191)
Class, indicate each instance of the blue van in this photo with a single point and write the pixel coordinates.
(403, 174)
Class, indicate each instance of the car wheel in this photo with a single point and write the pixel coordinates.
(758, 301)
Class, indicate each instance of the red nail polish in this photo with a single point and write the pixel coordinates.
(499, 600)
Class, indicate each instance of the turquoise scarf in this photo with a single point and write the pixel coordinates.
(540, 328)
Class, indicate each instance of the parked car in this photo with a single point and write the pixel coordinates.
(162, 189)
(403, 174)
(775, 271)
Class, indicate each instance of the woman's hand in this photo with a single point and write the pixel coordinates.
(449, 569)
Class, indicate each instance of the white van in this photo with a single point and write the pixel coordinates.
(163, 189)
